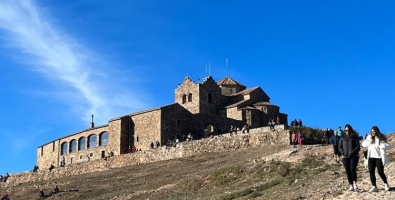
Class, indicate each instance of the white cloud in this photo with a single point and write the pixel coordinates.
(60, 58)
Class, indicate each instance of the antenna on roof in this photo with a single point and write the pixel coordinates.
(209, 69)
(226, 67)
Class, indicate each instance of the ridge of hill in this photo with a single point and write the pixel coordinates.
(264, 172)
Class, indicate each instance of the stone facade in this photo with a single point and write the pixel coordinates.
(257, 137)
(51, 153)
(201, 108)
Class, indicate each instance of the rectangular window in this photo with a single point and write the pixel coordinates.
(178, 122)
(90, 154)
(80, 157)
(42, 151)
(53, 146)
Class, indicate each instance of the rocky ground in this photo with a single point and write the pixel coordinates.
(270, 172)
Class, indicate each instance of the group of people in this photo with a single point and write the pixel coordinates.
(346, 144)
(109, 154)
(234, 129)
(56, 190)
(296, 123)
(273, 122)
(5, 197)
(296, 138)
(4, 178)
(35, 168)
(157, 144)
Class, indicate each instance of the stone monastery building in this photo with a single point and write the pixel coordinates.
(199, 108)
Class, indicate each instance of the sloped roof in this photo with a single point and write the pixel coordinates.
(248, 108)
(237, 103)
(227, 81)
(245, 92)
(262, 103)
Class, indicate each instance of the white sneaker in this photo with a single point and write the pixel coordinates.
(355, 187)
(351, 188)
(374, 189)
(387, 187)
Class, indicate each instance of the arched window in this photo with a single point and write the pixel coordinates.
(63, 148)
(73, 146)
(210, 98)
(103, 138)
(81, 143)
(184, 99)
(190, 97)
(91, 141)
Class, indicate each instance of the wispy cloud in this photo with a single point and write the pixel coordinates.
(57, 56)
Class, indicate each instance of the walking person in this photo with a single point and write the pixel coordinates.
(335, 142)
(300, 139)
(349, 148)
(377, 144)
(293, 139)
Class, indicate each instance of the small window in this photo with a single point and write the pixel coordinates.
(190, 97)
(178, 122)
(184, 99)
(80, 157)
(42, 151)
(63, 148)
(210, 98)
(137, 138)
(90, 154)
(53, 146)
(71, 160)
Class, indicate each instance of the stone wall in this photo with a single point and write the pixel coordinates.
(176, 122)
(146, 128)
(114, 128)
(50, 153)
(234, 113)
(257, 137)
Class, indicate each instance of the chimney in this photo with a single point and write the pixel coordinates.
(92, 124)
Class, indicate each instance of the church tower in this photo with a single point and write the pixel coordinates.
(229, 86)
(198, 98)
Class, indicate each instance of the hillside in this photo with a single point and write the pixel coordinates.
(249, 173)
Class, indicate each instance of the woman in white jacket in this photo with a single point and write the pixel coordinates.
(377, 144)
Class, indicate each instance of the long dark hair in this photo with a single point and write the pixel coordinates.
(351, 132)
(379, 135)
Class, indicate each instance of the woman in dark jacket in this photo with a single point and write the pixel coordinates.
(349, 148)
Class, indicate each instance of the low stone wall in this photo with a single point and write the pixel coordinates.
(255, 138)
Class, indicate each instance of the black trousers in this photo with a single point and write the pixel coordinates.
(372, 164)
(336, 151)
(350, 164)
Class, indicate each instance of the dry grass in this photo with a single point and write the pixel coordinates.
(224, 175)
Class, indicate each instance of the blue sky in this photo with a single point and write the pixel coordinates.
(327, 63)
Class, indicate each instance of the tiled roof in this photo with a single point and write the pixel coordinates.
(244, 92)
(237, 103)
(248, 108)
(262, 103)
(227, 81)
